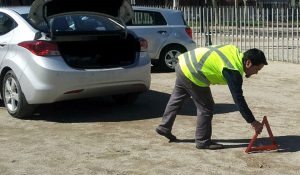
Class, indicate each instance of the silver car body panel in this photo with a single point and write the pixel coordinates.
(48, 80)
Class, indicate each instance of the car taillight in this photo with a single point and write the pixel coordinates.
(143, 44)
(40, 48)
(189, 31)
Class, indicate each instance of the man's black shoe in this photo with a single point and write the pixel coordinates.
(211, 146)
(168, 135)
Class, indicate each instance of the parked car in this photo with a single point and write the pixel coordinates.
(167, 34)
(54, 51)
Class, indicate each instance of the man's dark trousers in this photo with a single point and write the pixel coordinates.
(202, 98)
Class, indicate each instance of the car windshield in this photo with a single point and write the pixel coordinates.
(78, 23)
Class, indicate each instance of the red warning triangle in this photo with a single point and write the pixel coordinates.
(273, 146)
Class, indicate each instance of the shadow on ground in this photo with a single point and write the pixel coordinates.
(149, 105)
(287, 143)
(156, 69)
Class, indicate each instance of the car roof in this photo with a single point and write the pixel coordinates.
(25, 9)
(163, 10)
(19, 9)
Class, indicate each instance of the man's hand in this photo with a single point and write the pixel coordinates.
(257, 126)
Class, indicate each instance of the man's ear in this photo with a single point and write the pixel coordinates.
(248, 63)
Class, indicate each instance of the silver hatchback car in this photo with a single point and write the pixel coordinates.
(167, 34)
(54, 51)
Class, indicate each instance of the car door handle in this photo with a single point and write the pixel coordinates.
(163, 32)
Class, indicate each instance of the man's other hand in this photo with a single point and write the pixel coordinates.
(257, 126)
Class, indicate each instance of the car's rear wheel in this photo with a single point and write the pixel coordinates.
(128, 98)
(169, 57)
(13, 97)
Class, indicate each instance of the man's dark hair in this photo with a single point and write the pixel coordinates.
(256, 57)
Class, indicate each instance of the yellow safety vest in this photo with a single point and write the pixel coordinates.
(204, 66)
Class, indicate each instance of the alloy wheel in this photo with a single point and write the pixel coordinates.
(171, 58)
(11, 94)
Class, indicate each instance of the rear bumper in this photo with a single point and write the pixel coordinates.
(42, 84)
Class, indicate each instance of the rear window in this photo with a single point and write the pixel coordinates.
(80, 23)
(147, 18)
(184, 22)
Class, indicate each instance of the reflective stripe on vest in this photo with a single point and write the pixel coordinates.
(197, 74)
(195, 67)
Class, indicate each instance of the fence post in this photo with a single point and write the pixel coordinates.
(207, 29)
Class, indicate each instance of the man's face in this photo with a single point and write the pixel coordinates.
(251, 69)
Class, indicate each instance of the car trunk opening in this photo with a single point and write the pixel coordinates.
(103, 52)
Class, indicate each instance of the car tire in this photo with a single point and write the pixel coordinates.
(13, 97)
(168, 57)
(128, 98)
